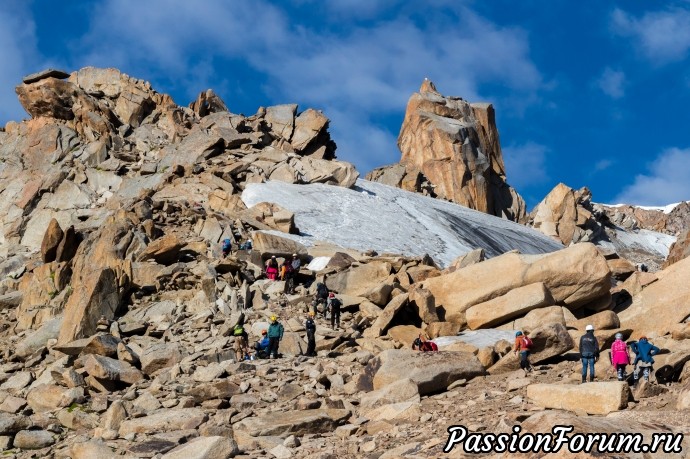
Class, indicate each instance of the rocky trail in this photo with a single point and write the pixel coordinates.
(117, 306)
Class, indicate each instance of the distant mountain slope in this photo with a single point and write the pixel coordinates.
(388, 219)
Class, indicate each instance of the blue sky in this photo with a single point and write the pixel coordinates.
(590, 94)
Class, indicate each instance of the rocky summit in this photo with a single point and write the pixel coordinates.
(137, 246)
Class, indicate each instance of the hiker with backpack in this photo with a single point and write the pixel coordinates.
(644, 353)
(334, 305)
(240, 344)
(288, 273)
(320, 297)
(424, 345)
(620, 358)
(310, 326)
(589, 352)
(227, 247)
(523, 346)
(272, 268)
(275, 334)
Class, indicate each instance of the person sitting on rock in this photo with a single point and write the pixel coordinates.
(261, 347)
(422, 344)
(620, 358)
(275, 334)
(589, 352)
(272, 268)
(644, 352)
(523, 345)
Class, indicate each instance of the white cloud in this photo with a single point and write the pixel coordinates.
(526, 164)
(603, 164)
(366, 72)
(612, 83)
(18, 44)
(661, 36)
(666, 181)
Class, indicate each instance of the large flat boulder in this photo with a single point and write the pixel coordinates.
(662, 304)
(592, 398)
(205, 448)
(574, 276)
(165, 421)
(284, 423)
(513, 304)
(430, 371)
(359, 280)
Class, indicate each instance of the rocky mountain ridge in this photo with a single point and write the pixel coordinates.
(117, 307)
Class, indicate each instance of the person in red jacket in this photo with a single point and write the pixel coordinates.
(424, 345)
(522, 346)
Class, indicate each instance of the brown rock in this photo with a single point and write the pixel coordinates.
(164, 250)
(431, 371)
(574, 277)
(109, 369)
(668, 298)
(164, 421)
(284, 423)
(593, 398)
(51, 241)
(605, 320)
(359, 280)
(679, 249)
(455, 146)
(513, 304)
(383, 321)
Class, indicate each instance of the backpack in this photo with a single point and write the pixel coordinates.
(238, 331)
(429, 346)
(227, 244)
(335, 304)
(321, 290)
(527, 342)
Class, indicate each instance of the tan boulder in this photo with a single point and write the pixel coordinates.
(51, 241)
(470, 258)
(549, 341)
(537, 318)
(273, 216)
(284, 423)
(385, 318)
(164, 250)
(403, 390)
(40, 294)
(164, 421)
(214, 447)
(49, 397)
(455, 146)
(436, 329)
(592, 398)
(357, 281)
(574, 276)
(308, 126)
(513, 304)
(679, 249)
(100, 279)
(557, 215)
(271, 244)
(430, 371)
(404, 334)
(422, 301)
(662, 305)
(605, 320)
(109, 369)
(621, 268)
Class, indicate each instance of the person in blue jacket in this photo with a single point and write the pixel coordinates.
(644, 353)
(261, 347)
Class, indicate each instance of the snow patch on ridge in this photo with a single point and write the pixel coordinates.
(391, 220)
(665, 209)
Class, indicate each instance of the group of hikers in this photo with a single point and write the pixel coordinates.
(589, 354)
(287, 271)
(330, 305)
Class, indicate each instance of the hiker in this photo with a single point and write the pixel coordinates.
(334, 305)
(247, 245)
(275, 334)
(288, 275)
(292, 271)
(589, 352)
(321, 296)
(620, 358)
(644, 351)
(310, 325)
(272, 268)
(240, 344)
(523, 345)
(424, 345)
(261, 347)
(227, 247)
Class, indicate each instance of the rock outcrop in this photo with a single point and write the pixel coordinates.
(451, 150)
